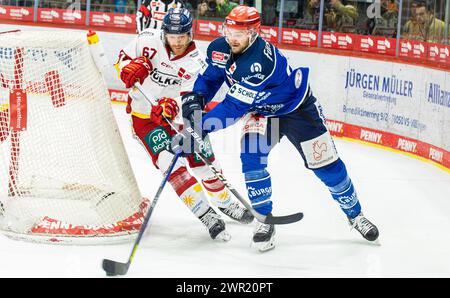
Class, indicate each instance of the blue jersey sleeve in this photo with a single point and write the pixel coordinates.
(210, 81)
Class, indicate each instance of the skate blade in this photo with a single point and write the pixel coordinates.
(264, 246)
(376, 242)
(224, 236)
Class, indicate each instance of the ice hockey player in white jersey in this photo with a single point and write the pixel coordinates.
(276, 101)
(166, 62)
(151, 13)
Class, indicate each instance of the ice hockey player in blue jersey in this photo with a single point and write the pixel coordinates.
(275, 101)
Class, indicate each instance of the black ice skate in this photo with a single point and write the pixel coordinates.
(215, 225)
(264, 237)
(238, 213)
(367, 229)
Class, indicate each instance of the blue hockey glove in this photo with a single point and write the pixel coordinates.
(192, 106)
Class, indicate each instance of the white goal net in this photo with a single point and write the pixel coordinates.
(64, 173)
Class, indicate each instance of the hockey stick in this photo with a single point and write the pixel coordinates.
(268, 219)
(113, 268)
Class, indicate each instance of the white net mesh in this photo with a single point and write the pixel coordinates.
(64, 172)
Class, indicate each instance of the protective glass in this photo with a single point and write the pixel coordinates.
(234, 33)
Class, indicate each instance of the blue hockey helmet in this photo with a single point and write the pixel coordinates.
(177, 21)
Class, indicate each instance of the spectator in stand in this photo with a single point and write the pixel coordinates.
(206, 9)
(188, 6)
(120, 6)
(96, 5)
(22, 3)
(338, 16)
(269, 14)
(223, 7)
(413, 7)
(425, 27)
(386, 23)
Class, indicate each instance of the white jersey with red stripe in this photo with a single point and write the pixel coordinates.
(152, 12)
(172, 76)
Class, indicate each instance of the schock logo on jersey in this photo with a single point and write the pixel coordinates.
(242, 94)
(164, 79)
(220, 57)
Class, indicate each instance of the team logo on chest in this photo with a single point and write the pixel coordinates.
(256, 67)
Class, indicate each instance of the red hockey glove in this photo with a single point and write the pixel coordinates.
(137, 70)
(167, 107)
(170, 107)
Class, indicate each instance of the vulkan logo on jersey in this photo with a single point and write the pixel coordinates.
(164, 79)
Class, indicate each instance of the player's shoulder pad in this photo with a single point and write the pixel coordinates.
(262, 64)
(218, 52)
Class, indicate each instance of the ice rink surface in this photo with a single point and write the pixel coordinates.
(408, 199)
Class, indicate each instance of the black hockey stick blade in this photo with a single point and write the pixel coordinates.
(113, 268)
(283, 220)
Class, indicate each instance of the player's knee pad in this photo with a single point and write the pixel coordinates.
(341, 187)
(220, 196)
(203, 171)
(259, 189)
(189, 191)
(318, 152)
